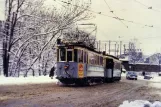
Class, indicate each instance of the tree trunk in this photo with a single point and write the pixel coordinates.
(5, 51)
(39, 67)
(45, 71)
(5, 60)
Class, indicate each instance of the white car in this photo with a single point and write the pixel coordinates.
(131, 75)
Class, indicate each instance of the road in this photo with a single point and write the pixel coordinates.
(53, 95)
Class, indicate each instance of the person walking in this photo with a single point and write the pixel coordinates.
(143, 73)
(52, 72)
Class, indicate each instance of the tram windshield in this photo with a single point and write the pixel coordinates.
(62, 54)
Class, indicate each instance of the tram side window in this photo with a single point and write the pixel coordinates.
(57, 54)
(117, 65)
(69, 55)
(75, 55)
(85, 57)
(101, 60)
(62, 54)
(91, 58)
(80, 56)
(97, 59)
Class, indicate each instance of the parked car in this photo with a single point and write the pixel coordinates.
(131, 75)
(159, 74)
(148, 77)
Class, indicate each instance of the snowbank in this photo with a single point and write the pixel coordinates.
(140, 103)
(26, 80)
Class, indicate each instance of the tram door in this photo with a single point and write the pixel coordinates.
(109, 68)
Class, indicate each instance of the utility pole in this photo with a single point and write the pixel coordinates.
(115, 49)
(105, 47)
(120, 47)
(124, 48)
(129, 48)
(109, 46)
(99, 45)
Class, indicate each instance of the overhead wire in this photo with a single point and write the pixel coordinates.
(100, 13)
(114, 14)
(150, 37)
(149, 7)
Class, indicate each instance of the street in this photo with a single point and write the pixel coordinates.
(53, 95)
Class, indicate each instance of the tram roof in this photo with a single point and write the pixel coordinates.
(87, 47)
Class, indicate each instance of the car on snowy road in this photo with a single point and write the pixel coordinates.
(148, 77)
(159, 74)
(131, 75)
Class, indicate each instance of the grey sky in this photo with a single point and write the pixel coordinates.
(109, 28)
(1, 9)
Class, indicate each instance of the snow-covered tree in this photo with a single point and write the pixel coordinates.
(80, 36)
(31, 30)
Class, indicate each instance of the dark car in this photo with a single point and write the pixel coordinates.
(148, 77)
(131, 75)
(159, 74)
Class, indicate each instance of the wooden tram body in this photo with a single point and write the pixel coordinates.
(79, 64)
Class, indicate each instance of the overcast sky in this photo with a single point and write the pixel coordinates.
(108, 28)
(111, 29)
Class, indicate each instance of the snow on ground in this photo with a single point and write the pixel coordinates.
(140, 103)
(26, 80)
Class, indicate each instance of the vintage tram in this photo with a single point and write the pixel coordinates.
(80, 64)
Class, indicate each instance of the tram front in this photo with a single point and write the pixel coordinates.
(66, 66)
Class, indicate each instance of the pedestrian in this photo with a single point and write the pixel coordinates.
(143, 73)
(52, 72)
